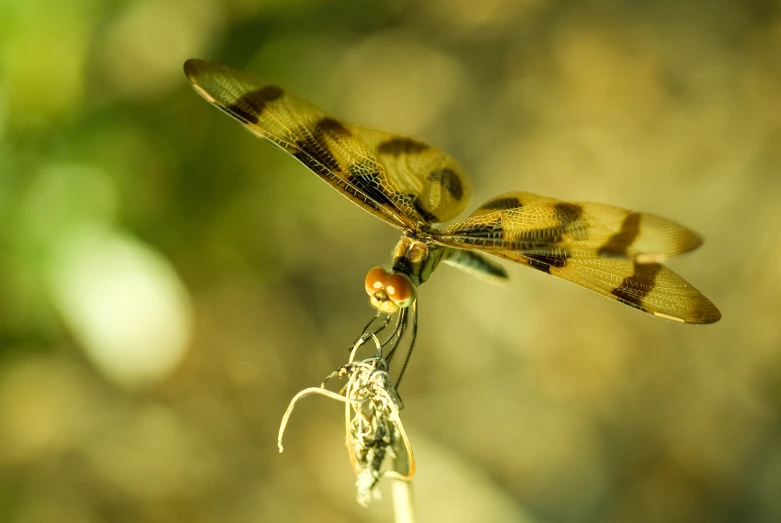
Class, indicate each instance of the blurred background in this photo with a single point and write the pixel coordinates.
(169, 282)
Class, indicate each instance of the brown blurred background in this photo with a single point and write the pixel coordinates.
(169, 282)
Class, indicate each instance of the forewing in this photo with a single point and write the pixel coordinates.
(397, 179)
(437, 186)
(533, 224)
(649, 287)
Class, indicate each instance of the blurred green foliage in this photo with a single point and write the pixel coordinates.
(169, 282)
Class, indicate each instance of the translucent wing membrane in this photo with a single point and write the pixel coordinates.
(435, 184)
(649, 287)
(611, 251)
(538, 225)
(402, 181)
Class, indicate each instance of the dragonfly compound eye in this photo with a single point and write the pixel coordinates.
(400, 289)
(375, 280)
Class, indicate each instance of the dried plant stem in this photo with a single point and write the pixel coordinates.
(401, 493)
(307, 392)
(373, 427)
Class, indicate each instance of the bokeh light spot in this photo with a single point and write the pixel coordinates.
(124, 303)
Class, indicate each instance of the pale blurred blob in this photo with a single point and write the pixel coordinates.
(399, 85)
(449, 475)
(124, 303)
(146, 45)
(122, 300)
(42, 57)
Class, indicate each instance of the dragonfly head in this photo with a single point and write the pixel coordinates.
(389, 291)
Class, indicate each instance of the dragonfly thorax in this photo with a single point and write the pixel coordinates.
(416, 258)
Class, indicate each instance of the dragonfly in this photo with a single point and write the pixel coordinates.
(416, 187)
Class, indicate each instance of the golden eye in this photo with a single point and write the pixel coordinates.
(375, 280)
(400, 289)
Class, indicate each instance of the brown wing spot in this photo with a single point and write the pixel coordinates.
(639, 285)
(502, 204)
(270, 93)
(449, 180)
(426, 215)
(567, 212)
(333, 126)
(569, 224)
(618, 244)
(397, 146)
(250, 106)
(313, 148)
